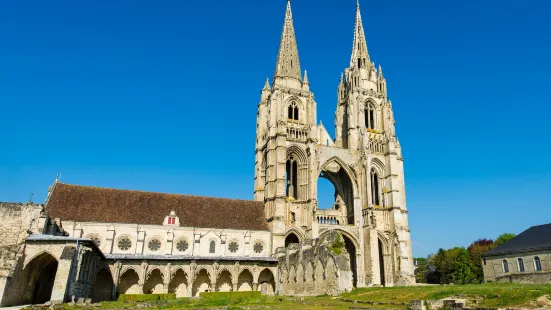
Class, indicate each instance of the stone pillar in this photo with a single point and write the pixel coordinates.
(110, 239)
(255, 287)
(140, 240)
(389, 271)
(374, 247)
(235, 286)
(61, 280)
(169, 241)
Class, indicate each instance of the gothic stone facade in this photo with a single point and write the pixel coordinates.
(364, 162)
(90, 243)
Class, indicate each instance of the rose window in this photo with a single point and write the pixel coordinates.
(125, 244)
(182, 246)
(258, 248)
(96, 240)
(233, 247)
(154, 245)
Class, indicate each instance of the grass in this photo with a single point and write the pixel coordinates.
(483, 295)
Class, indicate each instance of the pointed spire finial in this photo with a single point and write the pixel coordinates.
(360, 56)
(380, 71)
(288, 64)
(267, 85)
(305, 77)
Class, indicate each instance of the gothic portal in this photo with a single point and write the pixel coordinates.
(364, 163)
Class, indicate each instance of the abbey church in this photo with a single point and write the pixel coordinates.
(93, 243)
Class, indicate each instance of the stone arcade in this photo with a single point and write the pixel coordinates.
(96, 243)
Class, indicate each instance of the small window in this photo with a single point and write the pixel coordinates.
(520, 265)
(154, 245)
(484, 261)
(212, 248)
(505, 266)
(537, 262)
(124, 244)
(258, 247)
(171, 221)
(233, 247)
(182, 245)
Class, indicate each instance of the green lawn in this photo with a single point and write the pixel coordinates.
(484, 295)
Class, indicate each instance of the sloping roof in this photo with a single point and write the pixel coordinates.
(533, 239)
(95, 204)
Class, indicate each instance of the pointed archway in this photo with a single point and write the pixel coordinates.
(291, 238)
(103, 287)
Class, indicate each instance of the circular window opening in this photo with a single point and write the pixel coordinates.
(154, 245)
(233, 246)
(124, 244)
(258, 247)
(182, 245)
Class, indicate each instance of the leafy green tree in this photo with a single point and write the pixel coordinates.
(476, 249)
(462, 270)
(504, 238)
(421, 270)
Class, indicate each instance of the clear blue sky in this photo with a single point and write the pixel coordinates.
(161, 96)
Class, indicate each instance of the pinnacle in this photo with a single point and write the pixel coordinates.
(305, 77)
(267, 85)
(288, 64)
(360, 56)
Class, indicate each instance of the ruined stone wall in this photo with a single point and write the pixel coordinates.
(16, 221)
(314, 270)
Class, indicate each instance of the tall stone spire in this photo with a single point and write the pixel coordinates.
(360, 56)
(288, 65)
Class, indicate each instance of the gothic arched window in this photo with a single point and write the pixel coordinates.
(212, 248)
(505, 266)
(292, 111)
(370, 117)
(291, 187)
(537, 263)
(375, 188)
(520, 265)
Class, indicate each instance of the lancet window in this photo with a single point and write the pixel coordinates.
(292, 178)
(292, 111)
(375, 188)
(370, 117)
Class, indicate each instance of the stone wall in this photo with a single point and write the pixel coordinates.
(17, 220)
(494, 270)
(526, 278)
(314, 269)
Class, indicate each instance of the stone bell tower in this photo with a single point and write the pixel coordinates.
(286, 119)
(364, 164)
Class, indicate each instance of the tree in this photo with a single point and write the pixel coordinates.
(421, 270)
(504, 238)
(476, 249)
(462, 272)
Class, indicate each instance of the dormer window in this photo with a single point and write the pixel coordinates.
(292, 111)
(172, 219)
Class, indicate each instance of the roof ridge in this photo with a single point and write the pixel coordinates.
(153, 192)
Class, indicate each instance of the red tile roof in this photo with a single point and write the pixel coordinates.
(95, 204)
